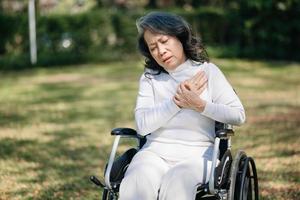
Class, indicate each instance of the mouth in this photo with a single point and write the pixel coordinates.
(167, 59)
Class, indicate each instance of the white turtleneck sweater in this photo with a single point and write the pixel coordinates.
(156, 113)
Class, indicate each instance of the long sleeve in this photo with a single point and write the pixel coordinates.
(148, 115)
(225, 107)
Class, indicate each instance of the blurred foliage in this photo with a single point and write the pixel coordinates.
(64, 39)
(270, 28)
(254, 29)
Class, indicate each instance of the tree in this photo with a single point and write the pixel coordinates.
(152, 4)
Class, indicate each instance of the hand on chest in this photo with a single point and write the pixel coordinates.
(165, 90)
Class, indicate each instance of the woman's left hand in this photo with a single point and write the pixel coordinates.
(197, 83)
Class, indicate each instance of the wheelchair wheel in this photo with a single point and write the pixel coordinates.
(243, 177)
(104, 194)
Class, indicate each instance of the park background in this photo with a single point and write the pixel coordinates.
(56, 115)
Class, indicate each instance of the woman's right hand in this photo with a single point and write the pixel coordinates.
(188, 92)
(185, 98)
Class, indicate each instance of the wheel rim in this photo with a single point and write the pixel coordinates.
(245, 173)
(246, 189)
(254, 179)
(243, 177)
(235, 175)
(104, 194)
(248, 179)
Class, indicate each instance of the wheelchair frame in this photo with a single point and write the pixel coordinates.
(230, 180)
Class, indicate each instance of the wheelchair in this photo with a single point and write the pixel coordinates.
(230, 179)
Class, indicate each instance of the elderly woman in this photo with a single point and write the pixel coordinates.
(180, 97)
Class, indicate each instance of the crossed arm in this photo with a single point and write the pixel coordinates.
(225, 105)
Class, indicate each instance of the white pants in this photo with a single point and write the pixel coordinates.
(151, 175)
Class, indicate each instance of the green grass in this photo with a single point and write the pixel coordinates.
(55, 125)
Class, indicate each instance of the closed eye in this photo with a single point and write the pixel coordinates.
(152, 49)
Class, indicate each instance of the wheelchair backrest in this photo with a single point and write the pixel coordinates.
(223, 143)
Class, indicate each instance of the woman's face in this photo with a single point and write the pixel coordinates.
(165, 49)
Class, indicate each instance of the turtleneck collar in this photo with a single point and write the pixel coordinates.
(184, 71)
(181, 67)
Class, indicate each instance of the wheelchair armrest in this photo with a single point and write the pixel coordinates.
(129, 132)
(224, 131)
(119, 133)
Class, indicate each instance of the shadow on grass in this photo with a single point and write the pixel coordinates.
(110, 111)
(59, 165)
(280, 193)
(272, 137)
(58, 92)
(287, 188)
(272, 123)
(71, 166)
(9, 118)
(63, 103)
(288, 176)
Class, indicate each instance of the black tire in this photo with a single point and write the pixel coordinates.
(234, 189)
(253, 180)
(243, 177)
(104, 194)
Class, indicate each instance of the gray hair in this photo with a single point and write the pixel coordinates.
(173, 25)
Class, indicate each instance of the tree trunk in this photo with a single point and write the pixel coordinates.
(152, 4)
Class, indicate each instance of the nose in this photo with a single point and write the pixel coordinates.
(161, 50)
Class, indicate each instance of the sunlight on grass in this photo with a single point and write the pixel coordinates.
(55, 125)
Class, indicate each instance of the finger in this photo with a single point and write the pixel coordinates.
(182, 97)
(186, 89)
(192, 79)
(177, 102)
(197, 81)
(197, 77)
(186, 82)
(179, 91)
(202, 82)
(183, 88)
(187, 85)
(199, 92)
(200, 77)
(176, 96)
(180, 102)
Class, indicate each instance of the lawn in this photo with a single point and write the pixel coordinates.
(55, 125)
